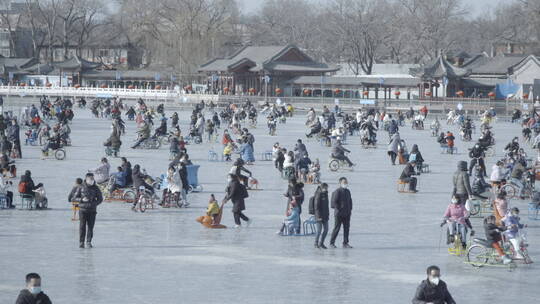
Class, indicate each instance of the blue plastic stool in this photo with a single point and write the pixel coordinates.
(3, 201)
(310, 226)
(266, 156)
(193, 180)
(213, 156)
(534, 212)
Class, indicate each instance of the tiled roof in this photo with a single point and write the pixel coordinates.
(264, 57)
(440, 68)
(495, 65)
(76, 63)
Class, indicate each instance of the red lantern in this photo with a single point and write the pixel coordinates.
(48, 84)
(337, 91)
(525, 96)
(428, 93)
(397, 93)
(103, 86)
(77, 86)
(158, 87)
(460, 93)
(492, 94)
(307, 92)
(366, 93)
(278, 91)
(131, 87)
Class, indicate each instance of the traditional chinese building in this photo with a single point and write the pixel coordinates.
(260, 70)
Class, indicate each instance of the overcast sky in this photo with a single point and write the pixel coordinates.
(477, 6)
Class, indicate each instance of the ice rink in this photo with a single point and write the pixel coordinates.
(164, 256)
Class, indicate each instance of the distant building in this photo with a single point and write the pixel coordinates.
(255, 70)
(479, 75)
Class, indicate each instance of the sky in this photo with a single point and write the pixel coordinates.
(477, 6)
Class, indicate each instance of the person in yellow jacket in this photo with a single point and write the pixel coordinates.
(213, 209)
(227, 151)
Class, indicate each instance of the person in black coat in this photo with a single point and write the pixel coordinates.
(91, 197)
(30, 186)
(185, 183)
(322, 214)
(417, 156)
(280, 159)
(477, 156)
(126, 167)
(237, 192)
(342, 205)
(407, 176)
(433, 289)
(32, 294)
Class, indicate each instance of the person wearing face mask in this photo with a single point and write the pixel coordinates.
(433, 290)
(322, 214)
(512, 224)
(342, 205)
(456, 217)
(33, 294)
(497, 173)
(91, 197)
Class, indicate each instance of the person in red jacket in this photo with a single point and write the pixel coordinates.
(424, 111)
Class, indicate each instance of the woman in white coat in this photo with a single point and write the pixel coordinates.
(174, 186)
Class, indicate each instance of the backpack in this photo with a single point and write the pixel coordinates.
(22, 187)
(243, 191)
(311, 207)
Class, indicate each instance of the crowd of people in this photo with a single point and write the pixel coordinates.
(333, 128)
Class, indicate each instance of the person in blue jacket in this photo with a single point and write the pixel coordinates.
(246, 152)
(120, 180)
(291, 219)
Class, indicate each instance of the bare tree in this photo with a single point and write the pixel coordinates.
(359, 29)
(432, 24)
(10, 21)
(48, 15)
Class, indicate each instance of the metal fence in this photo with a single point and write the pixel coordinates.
(435, 105)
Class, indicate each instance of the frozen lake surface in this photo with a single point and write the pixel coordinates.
(164, 256)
